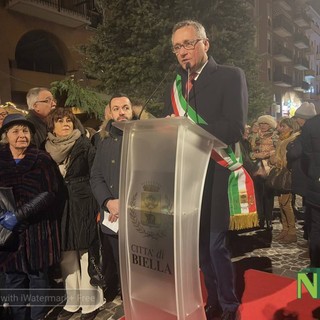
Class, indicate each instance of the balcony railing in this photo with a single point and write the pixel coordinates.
(282, 26)
(71, 13)
(301, 86)
(301, 63)
(315, 28)
(301, 41)
(310, 74)
(282, 80)
(285, 4)
(281, 53)
(302, 20)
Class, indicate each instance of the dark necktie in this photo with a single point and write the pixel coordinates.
(189, 84)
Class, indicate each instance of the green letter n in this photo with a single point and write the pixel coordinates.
(311, 287)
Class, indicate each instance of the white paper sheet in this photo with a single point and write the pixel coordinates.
(114, 226)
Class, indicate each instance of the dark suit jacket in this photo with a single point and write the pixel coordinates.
(310, 161)
(219, 95)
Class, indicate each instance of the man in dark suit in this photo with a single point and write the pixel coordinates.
(310, 162)
(217, 102)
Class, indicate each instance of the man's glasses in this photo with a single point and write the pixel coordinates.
(48, 100)
(3, 114)
(188, 45)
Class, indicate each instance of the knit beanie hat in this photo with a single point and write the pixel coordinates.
(305, 111)
(269, 120)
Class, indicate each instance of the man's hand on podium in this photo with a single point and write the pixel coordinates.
(113, 208)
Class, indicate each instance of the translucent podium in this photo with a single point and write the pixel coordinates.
(163, 168)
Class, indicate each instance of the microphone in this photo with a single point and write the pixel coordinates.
(171, 68)
(188, 67)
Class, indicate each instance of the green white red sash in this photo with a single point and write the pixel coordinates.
(243, 211)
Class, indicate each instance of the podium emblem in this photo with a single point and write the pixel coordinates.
(151, 205)
(155, 211)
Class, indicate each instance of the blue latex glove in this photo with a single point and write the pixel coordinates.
(8, 220)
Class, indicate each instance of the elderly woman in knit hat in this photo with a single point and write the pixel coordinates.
(306, 111)
(294, 152)
(264, 148)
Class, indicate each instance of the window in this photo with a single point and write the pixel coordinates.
(39, 51)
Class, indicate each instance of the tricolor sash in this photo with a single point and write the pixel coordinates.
(243, 211)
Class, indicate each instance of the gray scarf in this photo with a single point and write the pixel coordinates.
(60, 147)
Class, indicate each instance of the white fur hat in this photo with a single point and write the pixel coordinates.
(271, 121)
(305, 111)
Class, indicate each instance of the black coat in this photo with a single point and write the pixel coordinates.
(299, 178)
(41, 129)
(220, 97)
(310, 139)
(78, 225)
(105, 173)
(40, 241)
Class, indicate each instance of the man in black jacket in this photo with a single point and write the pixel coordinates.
(310, 139)
(105, 172)
(40, 102)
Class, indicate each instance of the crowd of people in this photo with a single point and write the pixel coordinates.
(64, 185)
(278, 144)
(48, 156)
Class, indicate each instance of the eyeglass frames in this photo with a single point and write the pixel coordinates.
(188, 45)
(48, 100)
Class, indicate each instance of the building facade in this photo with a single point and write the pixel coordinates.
(287, 39)
(39, 43)
(40, 40)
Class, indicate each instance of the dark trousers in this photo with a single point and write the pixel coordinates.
(307, 221)
(114, 242)
(18, 285)
(314, 237)
(264, 199)
(111, 268)
(217, 269)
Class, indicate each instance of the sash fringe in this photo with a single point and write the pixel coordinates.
(244, 221)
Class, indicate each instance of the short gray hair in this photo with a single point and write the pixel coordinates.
(199, 28)
(4, 138)
(33, 94)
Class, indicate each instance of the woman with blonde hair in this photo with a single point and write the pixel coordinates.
(288, 129)
(262, 149)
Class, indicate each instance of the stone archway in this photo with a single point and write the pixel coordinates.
(40, 51)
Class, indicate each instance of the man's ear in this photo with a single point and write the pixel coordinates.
(206, 44)
(35, 107)
(108, 114)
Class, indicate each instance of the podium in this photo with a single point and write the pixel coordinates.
(163, 168)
